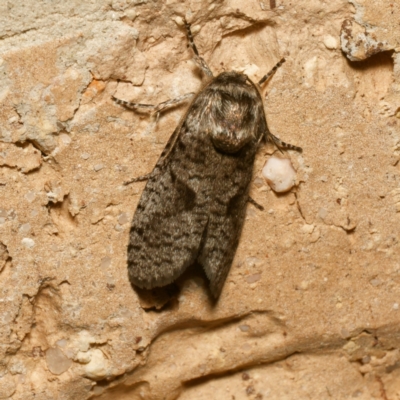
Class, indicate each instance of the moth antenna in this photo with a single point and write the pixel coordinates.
(197, 58)
(270, 73)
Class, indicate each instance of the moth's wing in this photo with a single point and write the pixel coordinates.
(170, 218)
(229, 187)
(224, 227)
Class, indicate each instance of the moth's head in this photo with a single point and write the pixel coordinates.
(232, 77)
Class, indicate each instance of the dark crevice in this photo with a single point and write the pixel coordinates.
(256, 27)
(4, 37)
(8, 166)
(34, 143)
(376, 61)
(5, 258)
(299, 207)
(202, 326)
(349, 231)
(61, 216)
(233, 371)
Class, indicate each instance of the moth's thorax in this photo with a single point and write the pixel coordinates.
(236, 84)
(232, 111)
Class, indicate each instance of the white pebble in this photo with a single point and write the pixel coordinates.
(56, 360)
(131, 14)
(330, 42)
(179, 21)
(253, 278)
(25, 228)
(105, 263)
(195, 29)
(97, 367)
(279, 174)
(375, 282)
(307, 228)
(118, 228)
(83, 357)
(250, 69)
(61, 342)
(123, 218)
(322, 213)
(66, 140)
(28, 242)
(30, 196)
(98, 167)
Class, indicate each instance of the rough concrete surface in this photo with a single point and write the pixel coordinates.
(311, 307)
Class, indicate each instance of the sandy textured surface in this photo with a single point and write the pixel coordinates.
(311, 307)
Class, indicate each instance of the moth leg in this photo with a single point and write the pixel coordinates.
(197, 58)
(255, 204)
(132, 106)
(154, 108)
(139, 179)
(169, 103)
(283, 145)
(270, 73)
(272, 138)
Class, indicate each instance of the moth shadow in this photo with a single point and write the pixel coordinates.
(158, 299)
(166, 298)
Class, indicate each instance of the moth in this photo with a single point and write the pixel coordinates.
(193, 206)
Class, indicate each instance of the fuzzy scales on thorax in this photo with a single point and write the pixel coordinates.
(231, 111)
